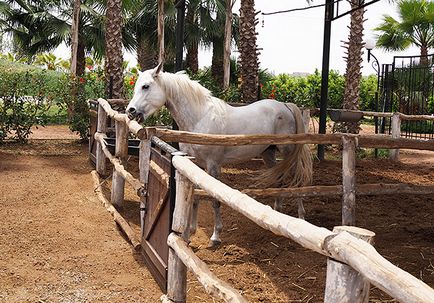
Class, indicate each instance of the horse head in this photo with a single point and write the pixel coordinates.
(148, 95)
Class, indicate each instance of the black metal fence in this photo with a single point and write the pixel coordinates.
(407, 86)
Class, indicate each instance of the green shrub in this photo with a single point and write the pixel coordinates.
(18, 114)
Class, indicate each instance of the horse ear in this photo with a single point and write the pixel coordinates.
(157, 70)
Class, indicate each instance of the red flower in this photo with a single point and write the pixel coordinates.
(131, 82)
(81, 79)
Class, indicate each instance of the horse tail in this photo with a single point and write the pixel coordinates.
(296, 168)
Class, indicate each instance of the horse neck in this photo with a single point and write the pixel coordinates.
(186, 112)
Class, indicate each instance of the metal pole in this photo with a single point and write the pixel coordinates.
(376, 66)
(180, 17)
(325, 73)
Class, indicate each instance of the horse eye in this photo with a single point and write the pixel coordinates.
(146, 86)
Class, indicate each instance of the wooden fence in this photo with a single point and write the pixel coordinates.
(348, 249)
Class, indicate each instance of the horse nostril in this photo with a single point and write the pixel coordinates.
(131, 110)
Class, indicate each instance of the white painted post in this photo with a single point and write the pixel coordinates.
(118, 182)
(102, 129)
(343, 283)
(177, 271)
(144, 158)
(348, 181)
(396, 133)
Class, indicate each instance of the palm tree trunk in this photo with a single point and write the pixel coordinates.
(113, 44)
(81, 57)
(192, 56)
(74, 35)
(424, 55)
(353, 73)
(217, 62)
(160, 30)
(146, 55)
(248, 52)
(227, 45)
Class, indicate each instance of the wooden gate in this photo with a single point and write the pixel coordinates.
(159, 210)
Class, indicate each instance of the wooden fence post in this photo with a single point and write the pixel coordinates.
(348, 181)
(177, 271)
(101, 128)
(144, 158)
(396, 133)
(118, 182)
(305, 113)
(343, 283)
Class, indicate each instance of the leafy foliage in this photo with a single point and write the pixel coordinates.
(306, 91)
(21, 106)
(415, 26)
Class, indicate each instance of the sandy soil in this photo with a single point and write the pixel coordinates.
(58, 243)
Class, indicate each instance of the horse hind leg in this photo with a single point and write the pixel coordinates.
(215, 240)
(269, 158)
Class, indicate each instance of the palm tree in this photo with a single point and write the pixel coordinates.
(35, 26)
(415, 26)
(113, 49)
(248, 52)
(353, 73)
(143, 25)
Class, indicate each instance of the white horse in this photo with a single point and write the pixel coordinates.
(195, 110)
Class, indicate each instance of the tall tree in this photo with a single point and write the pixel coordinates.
(248, 52)
(353, 72)
(414, 26)
(113, 49)
(227, 44)
(74, 35)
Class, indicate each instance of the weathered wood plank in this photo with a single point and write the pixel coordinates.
(177, 271)
(101, 129)
(136, 184)
(348, 181)
(343, 283)
(123, 224)
(396, 133)
(342, 247)
(213, 285)
(159, 173)
(334, 190)
(144, 158)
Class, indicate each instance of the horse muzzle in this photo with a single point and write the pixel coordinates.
(133, 114)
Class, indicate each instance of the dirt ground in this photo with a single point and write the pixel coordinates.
(58, 243)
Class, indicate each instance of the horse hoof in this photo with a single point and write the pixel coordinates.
(214, 243)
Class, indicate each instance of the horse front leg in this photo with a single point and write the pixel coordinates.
(214, 171)
(269, 158)
(193, 221)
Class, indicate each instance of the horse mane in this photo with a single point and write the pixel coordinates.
(180, 85)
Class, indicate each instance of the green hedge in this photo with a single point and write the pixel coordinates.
(51, 92)
(306, 91)
(30, 95)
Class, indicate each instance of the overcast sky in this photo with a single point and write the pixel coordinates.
(293, 42)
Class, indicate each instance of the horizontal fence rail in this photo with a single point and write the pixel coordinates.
(337, 190)
(342, 246)
(373, 141)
